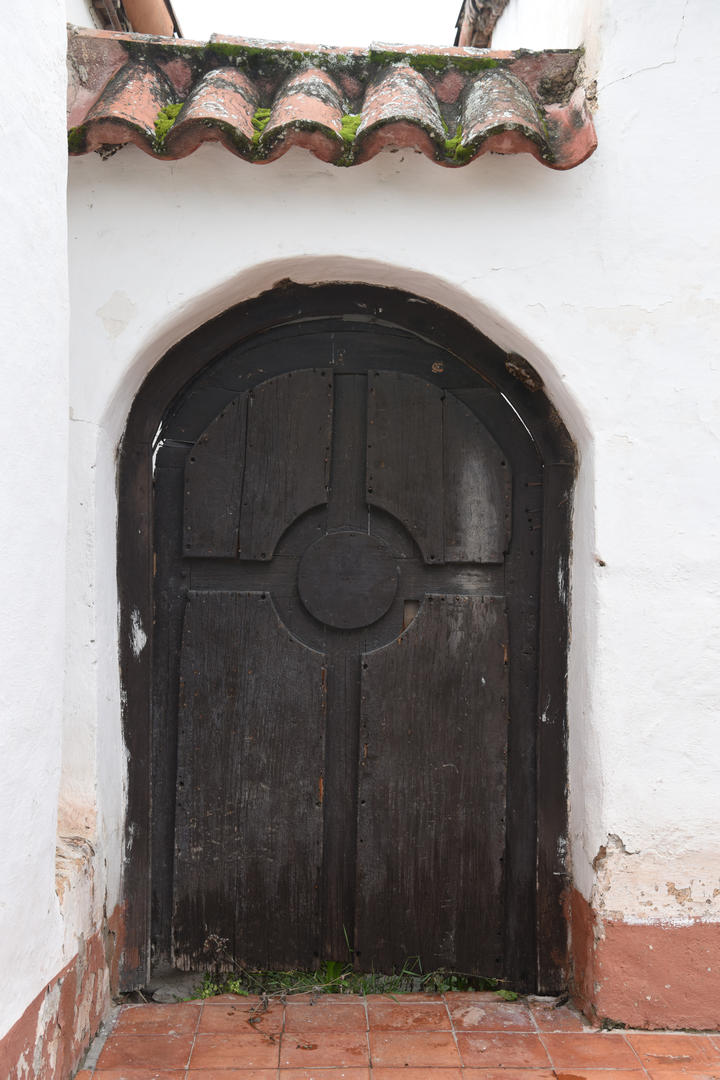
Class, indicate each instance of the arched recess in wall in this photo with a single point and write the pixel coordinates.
(345, 514)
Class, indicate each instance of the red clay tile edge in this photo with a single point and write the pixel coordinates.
(259, 99)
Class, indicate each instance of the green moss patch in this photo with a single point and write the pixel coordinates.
(260, 120)
(349, 126)
(77, 137)
(433, 62)
(454, 149)
(164, 121)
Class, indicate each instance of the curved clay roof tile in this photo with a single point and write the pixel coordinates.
(128, 107)
(307, 112)
(500, 114)
(259, 99)
(220, 108)
(399, 112)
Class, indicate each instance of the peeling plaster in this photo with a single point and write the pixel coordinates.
(116, 313)
(655, 887)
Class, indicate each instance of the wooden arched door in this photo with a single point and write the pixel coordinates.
(345, 657)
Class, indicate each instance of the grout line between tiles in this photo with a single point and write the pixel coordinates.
(281, 1041)
(367, 1027)
(367, 1033)
(640, 1061)
(539, 1034)
(201, 1010)
(454, 1032)
(542, 1043)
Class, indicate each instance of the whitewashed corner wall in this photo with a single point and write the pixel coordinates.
(33, 485)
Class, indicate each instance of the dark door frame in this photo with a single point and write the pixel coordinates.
(522, 388)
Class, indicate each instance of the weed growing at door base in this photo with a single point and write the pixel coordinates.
(334, 977)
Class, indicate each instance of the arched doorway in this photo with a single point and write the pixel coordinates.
(345, 515)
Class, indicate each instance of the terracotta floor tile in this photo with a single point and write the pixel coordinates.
(679, 1052)
(408, 1016)
(667, 1073)
(323, 1048)
(601, 1074)
(399, 1073)
(472, 997)
(242, 1051)
(492, 1016)
(234, 1017)
(511, 1074)
(417, 1048)
(489, 1050)
(403, 999)
(230, 1074)
(180, 1019)
(137, 1074)
(145, 1052)
(325, 1016)
(323, 1074)
(594, 1049)
(552, 1018)
(312, 999)
(235, 999)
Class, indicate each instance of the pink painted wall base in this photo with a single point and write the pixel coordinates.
(49, 1039)
(645, 975)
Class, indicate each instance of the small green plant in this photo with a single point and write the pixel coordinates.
(333, 977)
(455, 150)
(212, 985)
(336, 977)
(260, 120)
(164, 121)
(349, 126)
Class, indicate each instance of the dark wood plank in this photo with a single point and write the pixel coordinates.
(288, 457)
(478, 486)
(341, 777)
(136, 610)
(347, 505)
(277, 577)
(431, 837)
(405, 456)
(522, 585)
(213, 484)
(552, 813)
(169, 602)
(417, 579)
(249, 785)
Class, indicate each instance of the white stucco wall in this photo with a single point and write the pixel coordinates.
(605, 278)
(544, 24)
(81, 13)
(33, 486)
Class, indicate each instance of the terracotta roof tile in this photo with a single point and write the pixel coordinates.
(345, 105)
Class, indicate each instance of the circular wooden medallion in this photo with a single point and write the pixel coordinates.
(347, 579)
